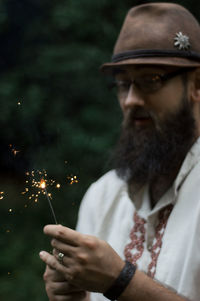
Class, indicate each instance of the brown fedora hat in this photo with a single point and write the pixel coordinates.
(157, 33)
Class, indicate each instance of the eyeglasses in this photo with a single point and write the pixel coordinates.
(147, 83)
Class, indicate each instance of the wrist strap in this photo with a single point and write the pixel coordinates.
(121, 282)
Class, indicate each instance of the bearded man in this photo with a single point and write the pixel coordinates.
(138, 230)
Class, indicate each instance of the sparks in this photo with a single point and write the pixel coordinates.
(13, 150)
(42, 184)
(72, 180)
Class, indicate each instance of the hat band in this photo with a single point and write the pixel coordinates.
(154, 52)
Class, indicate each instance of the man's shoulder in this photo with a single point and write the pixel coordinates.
(102, 200)
(109, 183)
(106, 189)
(109, 178)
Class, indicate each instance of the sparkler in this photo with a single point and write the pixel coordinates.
(43, 186)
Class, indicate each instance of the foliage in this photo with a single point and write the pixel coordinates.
(49, 59)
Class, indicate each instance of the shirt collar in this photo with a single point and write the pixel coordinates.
(191, 159)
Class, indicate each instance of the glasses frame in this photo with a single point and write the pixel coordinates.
(163, 78)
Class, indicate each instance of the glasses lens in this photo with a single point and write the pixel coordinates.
(148, 83)
(121, 87)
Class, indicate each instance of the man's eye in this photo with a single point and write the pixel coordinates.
(123, 84)
(156, 78)
(152, 79)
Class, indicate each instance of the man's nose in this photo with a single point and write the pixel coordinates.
(133, 98)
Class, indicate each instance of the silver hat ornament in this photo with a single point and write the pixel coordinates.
(181, 41)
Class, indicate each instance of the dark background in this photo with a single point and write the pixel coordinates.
(56, 111)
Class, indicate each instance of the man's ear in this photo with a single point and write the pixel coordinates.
(195, 87)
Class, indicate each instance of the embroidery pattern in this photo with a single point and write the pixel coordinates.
(157, 243)
(133, 251)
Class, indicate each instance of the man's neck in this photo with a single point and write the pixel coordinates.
(158, 189)
(159, 186)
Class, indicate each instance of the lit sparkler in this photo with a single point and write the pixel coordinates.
(40, 186)
(43, 186)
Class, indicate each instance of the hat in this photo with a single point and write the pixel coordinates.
(157, 33)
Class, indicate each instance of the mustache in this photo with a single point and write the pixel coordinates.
(137, 113)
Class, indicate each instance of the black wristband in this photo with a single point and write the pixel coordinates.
(121, 282)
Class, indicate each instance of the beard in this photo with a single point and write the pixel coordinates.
(144, 154)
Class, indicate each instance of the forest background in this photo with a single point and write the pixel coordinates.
(57, 115)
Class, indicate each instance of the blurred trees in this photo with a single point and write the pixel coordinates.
(57, 111)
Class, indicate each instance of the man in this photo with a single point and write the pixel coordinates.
(139, 225)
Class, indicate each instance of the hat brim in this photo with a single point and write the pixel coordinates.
(109, 68)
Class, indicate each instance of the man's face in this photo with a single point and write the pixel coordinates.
(153, 98)
(158, 126)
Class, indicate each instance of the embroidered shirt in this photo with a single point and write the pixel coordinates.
(164, 241)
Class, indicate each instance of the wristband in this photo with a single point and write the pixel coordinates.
(121, 282)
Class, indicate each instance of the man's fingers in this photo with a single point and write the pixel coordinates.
(69, 297)
(78, 296)
(53, 275)
(64, 234)
(59, 246)
(51, 261)
(63, 288)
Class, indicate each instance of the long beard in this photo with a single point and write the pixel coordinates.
(143, 155)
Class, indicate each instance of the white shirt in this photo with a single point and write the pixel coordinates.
(108, 213)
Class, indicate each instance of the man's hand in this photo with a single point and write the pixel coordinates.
(89, 263)
(58, 289)
(92, 265)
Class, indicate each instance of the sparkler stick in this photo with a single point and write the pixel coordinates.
(43, 186)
